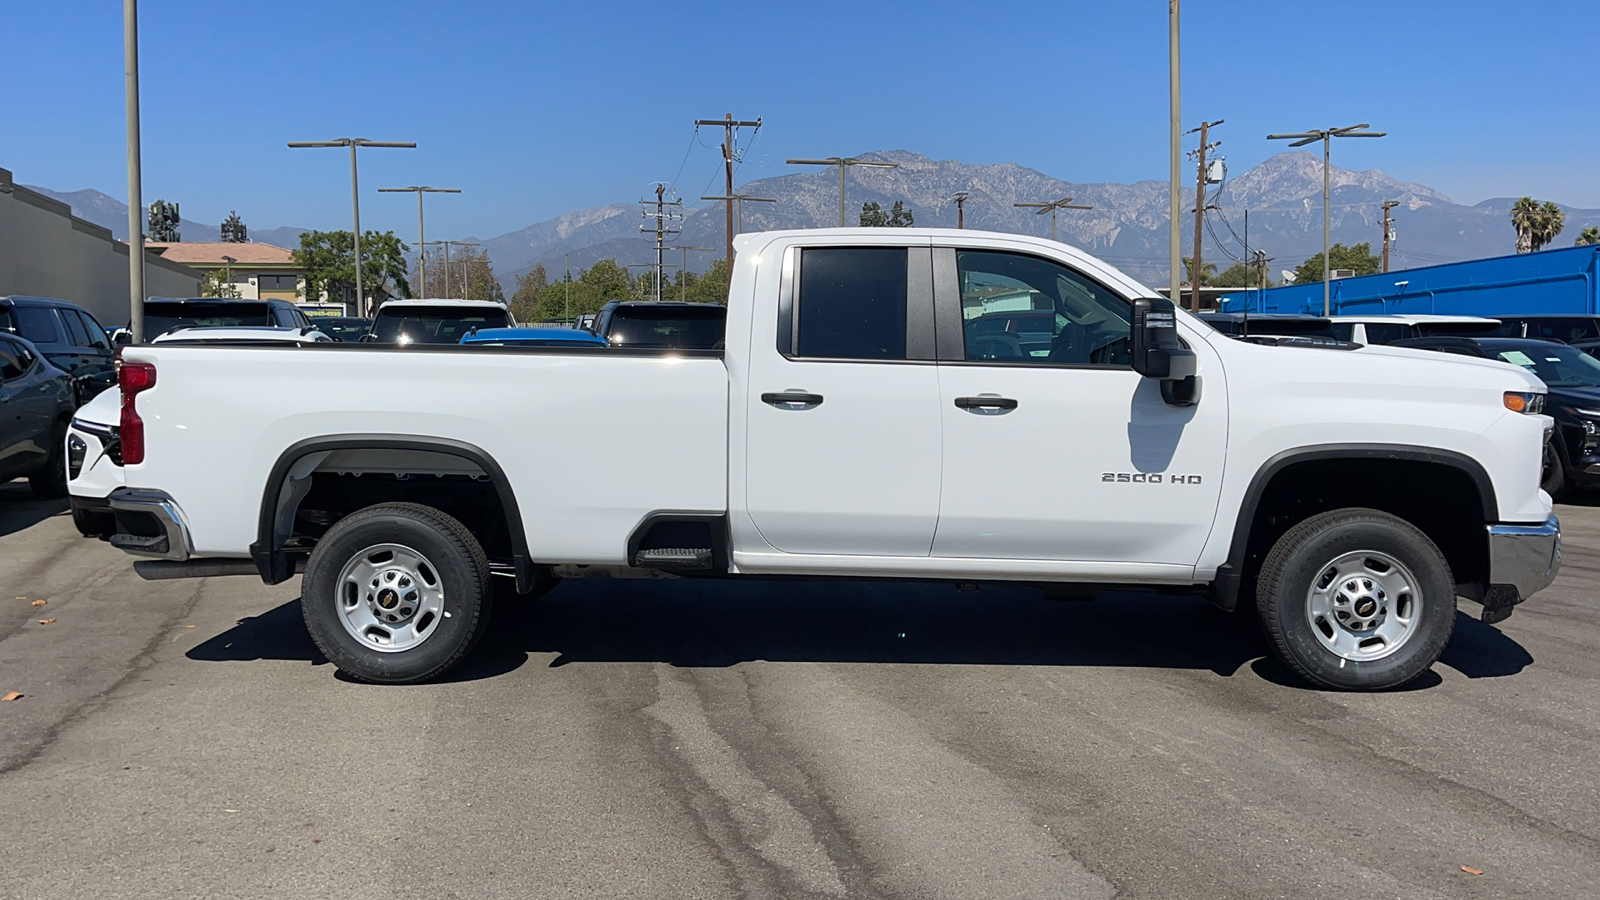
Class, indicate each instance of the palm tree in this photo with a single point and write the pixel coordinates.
(1551, 221)
(1525, 218)
(1207, 271)
(1590, 235)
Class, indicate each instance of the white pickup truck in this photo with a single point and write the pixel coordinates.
(889, 403)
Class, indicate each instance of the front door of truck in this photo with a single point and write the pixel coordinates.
(842, 419)
(1054, 448)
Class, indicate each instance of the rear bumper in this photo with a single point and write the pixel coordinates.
(149, 523)
(1523, 560)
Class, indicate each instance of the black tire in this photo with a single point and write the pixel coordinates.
(1306, 553)
(454, 556)
(1554, 477)
(94, 524)
(50, 482)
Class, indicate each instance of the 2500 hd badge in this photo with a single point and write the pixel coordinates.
(1149, 478)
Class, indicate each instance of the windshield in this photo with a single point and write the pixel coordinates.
(341, 328)
(680, 327)
(160, 318)
(434, 324)
(1556, 365)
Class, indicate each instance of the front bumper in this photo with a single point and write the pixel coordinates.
(149, 524)
(1523, 560)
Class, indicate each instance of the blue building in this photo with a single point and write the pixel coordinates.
(1550, 281)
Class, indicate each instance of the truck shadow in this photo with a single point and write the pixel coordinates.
(723, 623)
(21, 510)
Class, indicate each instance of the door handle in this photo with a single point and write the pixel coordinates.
(985, 403)
(792, 397)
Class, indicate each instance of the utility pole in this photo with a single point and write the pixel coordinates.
(959, 198)
(1063, 203)
(130, 59)
(355, 195)
(1388, 234)
(1199, 213)
(667, 215)
(842, 162)
(1174, 149)
(447, 245)
(738, 201)
(422, 236)
(566, 263)
(1326, 136)
(729, 124)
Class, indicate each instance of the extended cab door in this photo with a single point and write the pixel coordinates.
(1054, 448)
(842, 419)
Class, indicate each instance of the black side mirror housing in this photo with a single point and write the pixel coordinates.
(1159, 353)
(122, 339)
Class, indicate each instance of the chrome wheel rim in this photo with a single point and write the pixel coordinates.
(1364, 606)
(390, 598)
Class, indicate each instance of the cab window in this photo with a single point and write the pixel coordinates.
(1019, 309)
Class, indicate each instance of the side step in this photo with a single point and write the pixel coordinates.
(674, 558)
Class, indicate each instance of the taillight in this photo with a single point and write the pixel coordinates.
(133, 377)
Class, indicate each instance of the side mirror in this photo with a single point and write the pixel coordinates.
(122, 338)
(1159, 353)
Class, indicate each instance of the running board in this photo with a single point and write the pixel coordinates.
(674, 558)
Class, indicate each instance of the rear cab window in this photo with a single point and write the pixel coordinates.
(161, 317)
(852, 303)
(698, 327)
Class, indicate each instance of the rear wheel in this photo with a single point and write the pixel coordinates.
(51, 481)
(396, 593)
(1356, 599)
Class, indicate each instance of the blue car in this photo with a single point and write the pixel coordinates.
(534, 337)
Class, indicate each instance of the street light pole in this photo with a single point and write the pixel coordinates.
(130, 58)
(1042, 208)
(1326, 136)
(355, 194)
(842, 162)
(227, 268)
(1174, 150)
(738, 201)
(422, 236)
(683, 273)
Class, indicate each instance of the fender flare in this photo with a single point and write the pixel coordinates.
(277, 497)
(1230, 575)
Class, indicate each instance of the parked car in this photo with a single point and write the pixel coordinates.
(1573, 400)
(36, 402)
(162, 314)
(533, 337)
(1388, 329)
(668, 324)
(342, 328)
(435, 321)
(1566, 329)
(67, 335)
(849, 431)
(1244, 325)
(94, 440)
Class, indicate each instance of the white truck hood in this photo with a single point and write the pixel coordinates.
(104, 410)
(1453, 359)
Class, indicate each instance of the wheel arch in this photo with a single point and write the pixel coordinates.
(1230, 575)
(280, 497)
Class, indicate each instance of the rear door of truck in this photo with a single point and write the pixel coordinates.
(843, 426)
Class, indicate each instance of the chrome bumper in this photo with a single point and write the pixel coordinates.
(149, 524)
(1523, 560)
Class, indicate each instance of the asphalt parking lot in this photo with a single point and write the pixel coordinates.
(679, 739)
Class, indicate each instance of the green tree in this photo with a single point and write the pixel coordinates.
(1358, 258)
(1551, 221)
(1237, 275)
(233, 229)
(1208, 271)
(873, 216)
(1590, 235)
(215, 284)
(525, 302)
(1536, 224)
(328, 259)
(712, 287)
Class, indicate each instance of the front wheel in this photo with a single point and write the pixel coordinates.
(396, 593)
(1356, 599)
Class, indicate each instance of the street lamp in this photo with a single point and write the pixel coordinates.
(130, 60)
(683, 278)
(355, 194)
(447, 245)
(1063, 203)
(1326, 136)
(227, 267)
(842, 162)
(738, 205)
(422, 240)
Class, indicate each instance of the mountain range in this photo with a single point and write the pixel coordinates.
(1276, 206)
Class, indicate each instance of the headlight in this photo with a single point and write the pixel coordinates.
(77, 449)
(1525, 402)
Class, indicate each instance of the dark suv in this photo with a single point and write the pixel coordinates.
(681, 326)
(1566, 329)
(67, 336)
(36, 402)
(162, 315)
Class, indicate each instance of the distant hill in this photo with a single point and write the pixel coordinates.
(109, 212)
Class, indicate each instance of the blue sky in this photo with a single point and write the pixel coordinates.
(535, 109)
